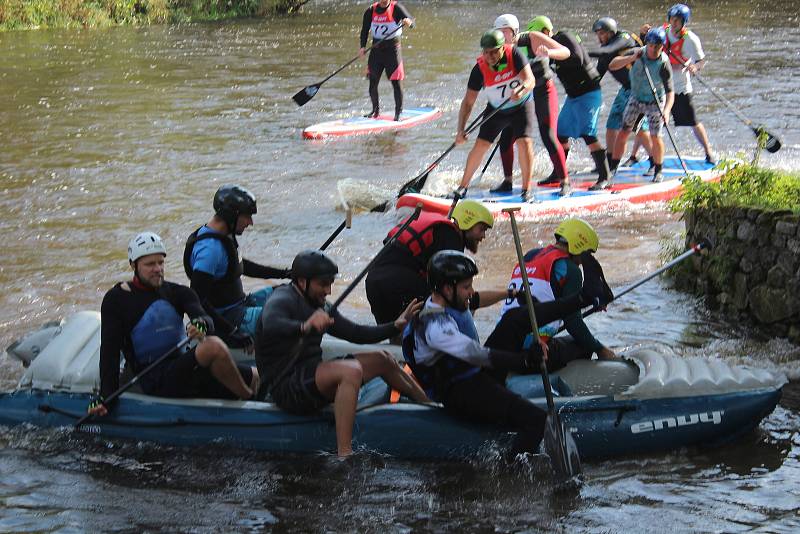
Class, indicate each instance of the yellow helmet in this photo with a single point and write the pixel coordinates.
(468, 213)
(578, 235)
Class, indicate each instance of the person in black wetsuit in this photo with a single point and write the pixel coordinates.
(385, 20)
(399, 276)
(212, 264)
(289, 356)
(581, 110)
(540, 49)
(143, 319)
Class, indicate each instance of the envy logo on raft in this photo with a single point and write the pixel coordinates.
(714, 417)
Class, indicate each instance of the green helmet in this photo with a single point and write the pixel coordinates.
(493, 39)
(540, 23)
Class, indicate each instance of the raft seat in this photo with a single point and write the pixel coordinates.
(598, 377)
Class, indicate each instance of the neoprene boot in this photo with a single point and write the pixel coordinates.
(599, 157)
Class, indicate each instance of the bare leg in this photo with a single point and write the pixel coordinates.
(622, 140)
(384, 365)
(525, 155)
(702, 137)
(658, 149)
(213, 354)
(474, 160)
(340, 380)
(611, 137)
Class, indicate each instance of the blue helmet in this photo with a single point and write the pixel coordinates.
(656, 36)
(680, 10)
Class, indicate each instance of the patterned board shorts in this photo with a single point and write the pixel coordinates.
(635, 109)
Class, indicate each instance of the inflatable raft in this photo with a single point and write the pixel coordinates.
(651, 402)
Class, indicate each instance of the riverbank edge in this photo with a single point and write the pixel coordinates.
(752, 273)
(52, 14)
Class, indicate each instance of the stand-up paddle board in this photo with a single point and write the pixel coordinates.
(368, 125)
(629, 185)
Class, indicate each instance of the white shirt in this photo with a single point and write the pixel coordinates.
(692, 50)
(442, 335)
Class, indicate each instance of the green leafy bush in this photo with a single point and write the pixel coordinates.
(742, 185)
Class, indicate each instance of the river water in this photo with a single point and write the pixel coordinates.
(108, 132)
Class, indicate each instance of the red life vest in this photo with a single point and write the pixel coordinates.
(497, 85)
(675, 50)
(419, 234)
(383, 24)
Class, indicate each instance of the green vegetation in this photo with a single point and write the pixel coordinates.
(31, 14)
(742, 185)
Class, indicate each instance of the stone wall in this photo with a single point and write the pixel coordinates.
(753, 271)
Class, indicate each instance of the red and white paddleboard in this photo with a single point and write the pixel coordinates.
(630, 185)
(367, 125)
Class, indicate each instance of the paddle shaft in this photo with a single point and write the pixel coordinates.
(661, 112)
(477, 123)
(135, 379)
(346, 223)
(488, 161)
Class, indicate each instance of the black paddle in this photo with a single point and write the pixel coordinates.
(346, 223)
(560, 445)
(128, 385)
(661, 112)
(488, 161)
(773, 144)
(307, 93)
(703, 244)
(298, 350)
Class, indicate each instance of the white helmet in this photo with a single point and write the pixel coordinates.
(144, 244)
(507, 21)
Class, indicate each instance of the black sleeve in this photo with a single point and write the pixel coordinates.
(614, 47)
(524, 41)
(278, 317)
(400, 12)
(666, 77)
(112, 334)
(519, 59)
(475, 79)
(346, 329)
(187, 302)
(256, 270)
(366, 22)
(445, 237)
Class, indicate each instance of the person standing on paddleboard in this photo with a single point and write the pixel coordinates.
(539, 49)
(642, 100)
(613, 43)
(385, 20)
(581, 110)
(289, 356)
(504, 74)
(142, 319)
(212, 264)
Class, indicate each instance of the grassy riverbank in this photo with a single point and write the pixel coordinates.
(743, 185)
(33, 14)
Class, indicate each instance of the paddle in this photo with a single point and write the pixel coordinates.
(666, 121)
(135, 379)
(703, 244)
(566, 460)
(456, 197)
(349, 289)
(302, 97)
(488, 161)
(346, 223)
(773, 144)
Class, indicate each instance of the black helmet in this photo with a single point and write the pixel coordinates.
(230, 201)
(313, 264)
(605, 23)
(449, 267)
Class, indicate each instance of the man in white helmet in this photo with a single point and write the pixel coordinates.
(143, 319)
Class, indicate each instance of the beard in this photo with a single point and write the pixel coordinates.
(471, 245)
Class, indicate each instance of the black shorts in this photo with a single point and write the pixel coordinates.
(183, 377)
(297, 393)
(683, 110)
(521, 122)
(386, 57)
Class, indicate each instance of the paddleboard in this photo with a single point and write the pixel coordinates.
(630, 185)
(368, 125)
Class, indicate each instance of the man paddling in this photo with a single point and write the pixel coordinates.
(554, 273)
(581, 110)
(385, 20)
(683, 48)
(539, 49)
(502, 71)
(399, 276)
(211, 261)
(442, 347)
(613, 43)
(143, 319)
(643, 101)
(289, 356)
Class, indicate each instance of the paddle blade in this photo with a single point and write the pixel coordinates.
(772, 144)
(305, 94)
(561, 449)
(415, 185)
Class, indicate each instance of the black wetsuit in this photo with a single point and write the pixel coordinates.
(385, 55)
(620, 43)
